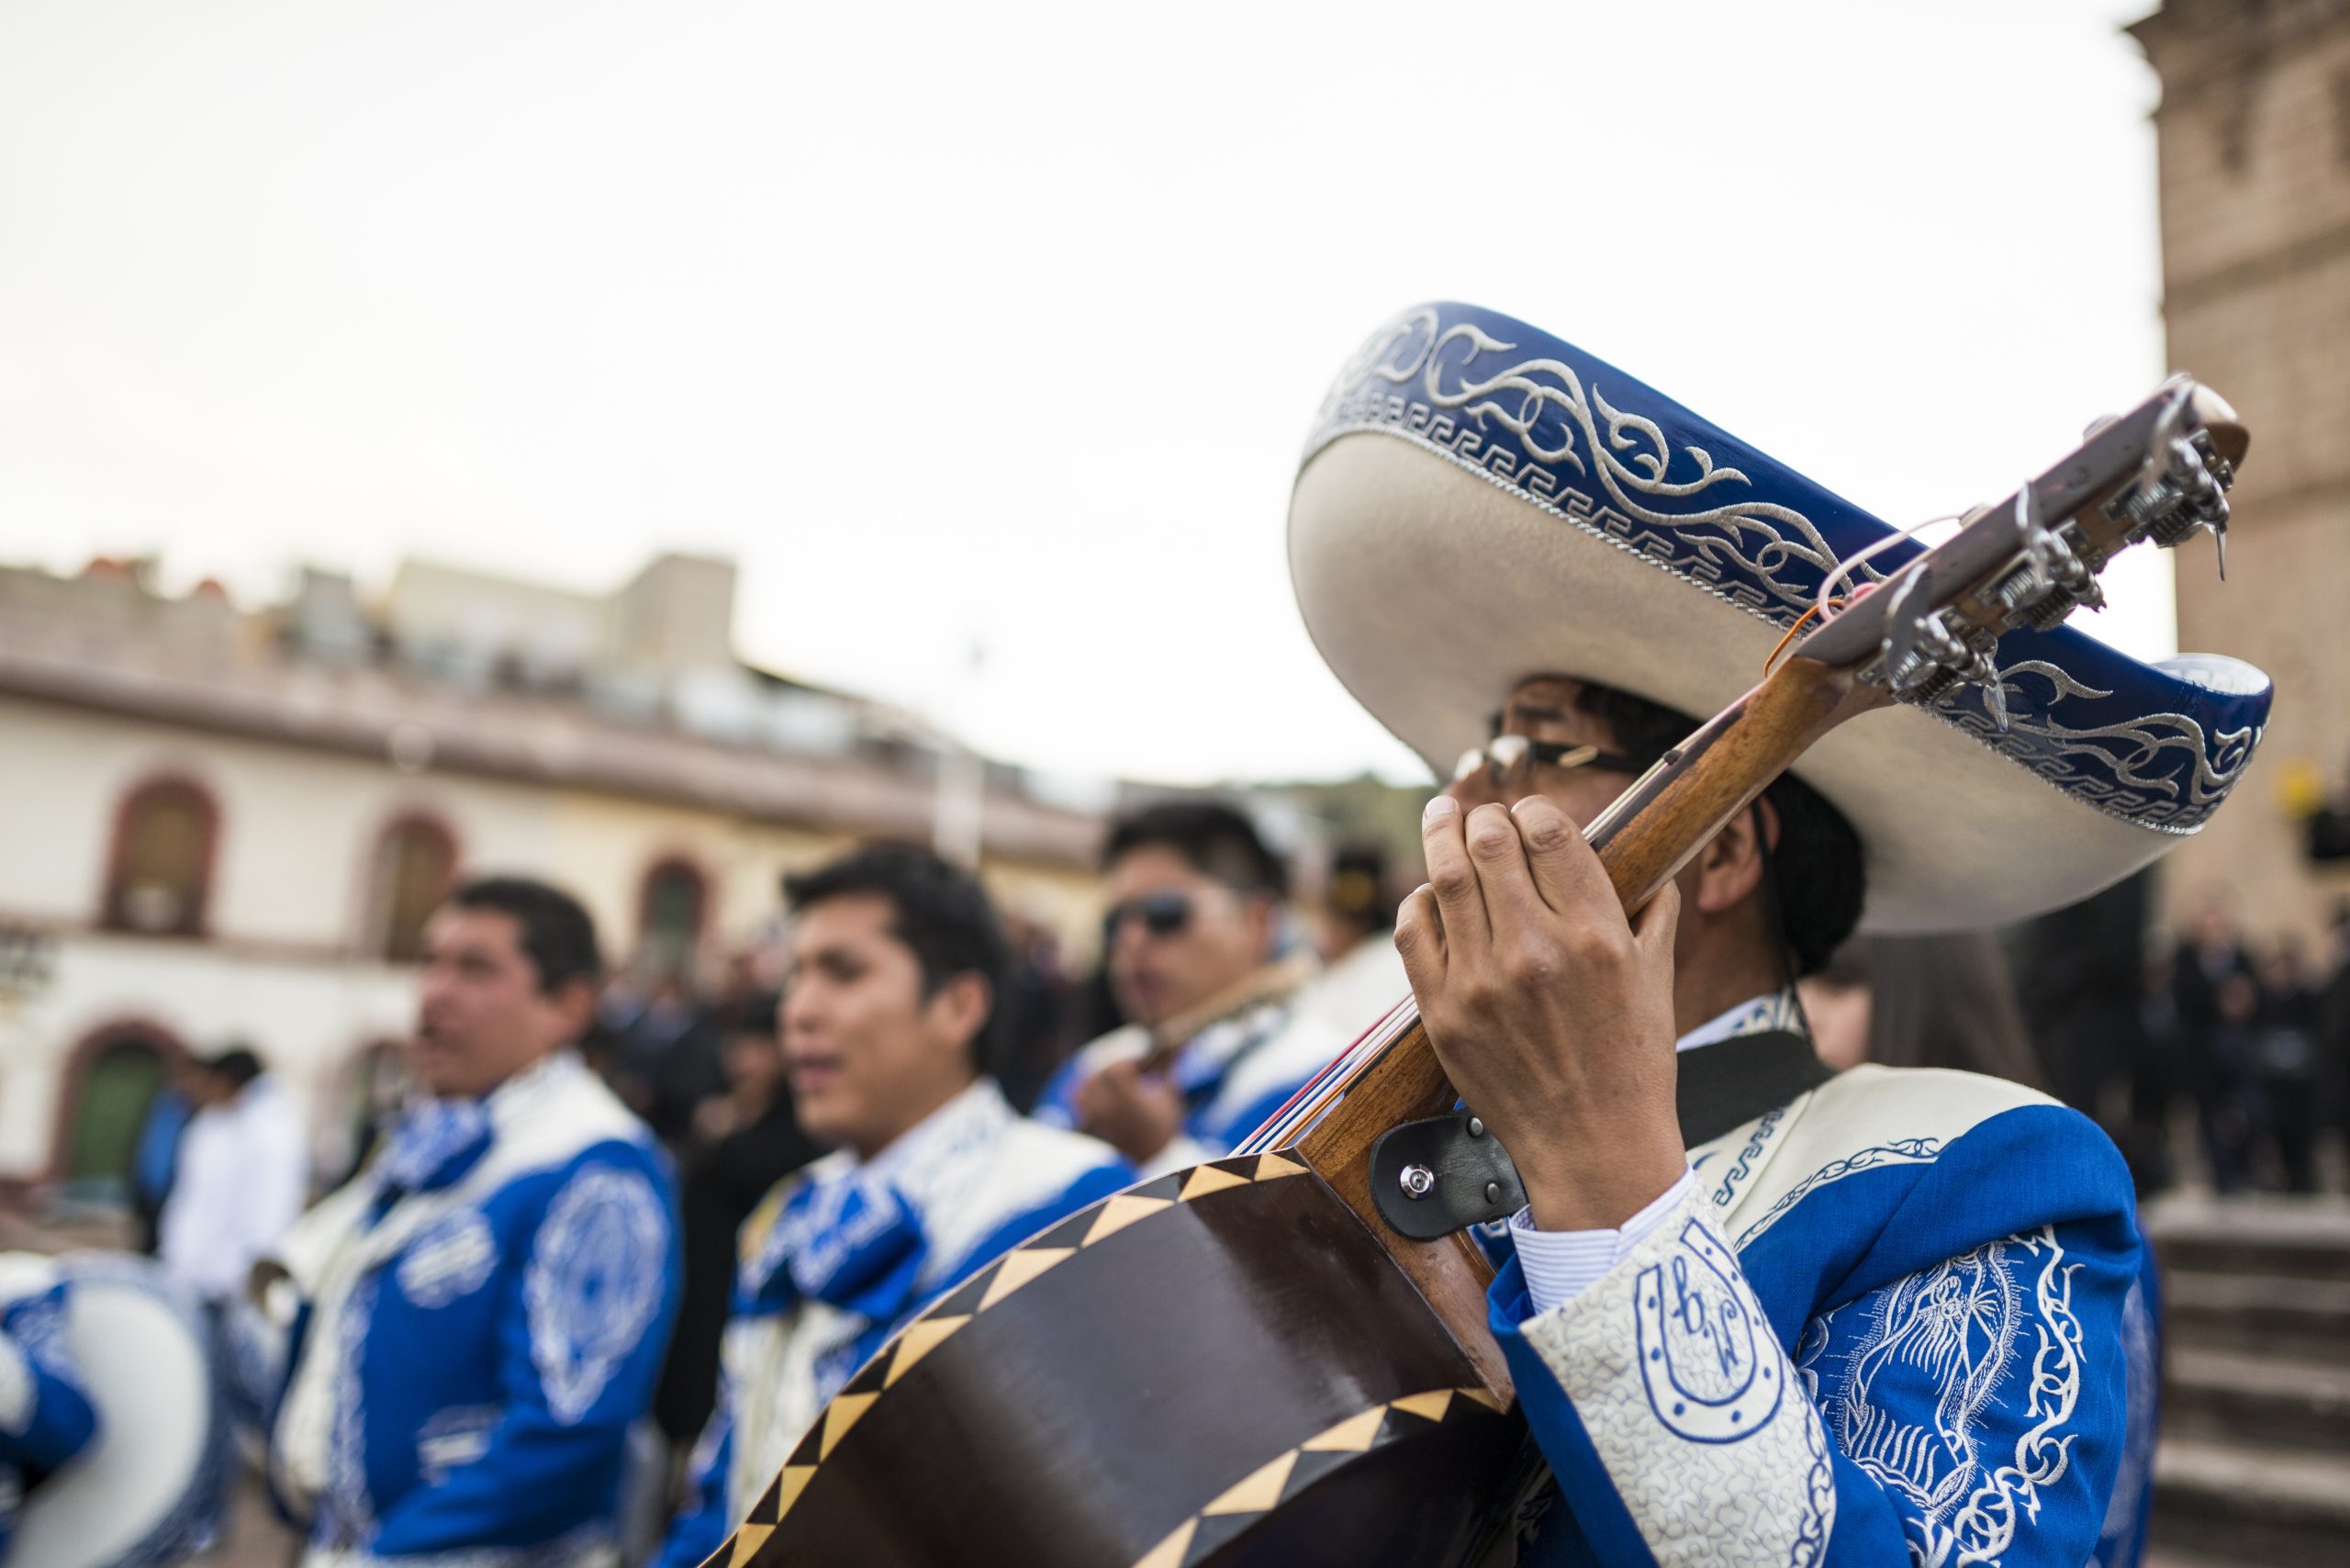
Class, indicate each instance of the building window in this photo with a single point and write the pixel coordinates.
(416, 865)
(164, 839)
(675, 899)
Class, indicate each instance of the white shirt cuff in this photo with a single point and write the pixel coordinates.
(1560, 1265)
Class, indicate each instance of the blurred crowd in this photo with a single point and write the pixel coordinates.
(1213, 997)
(2255, 1038)
(2214, 1060)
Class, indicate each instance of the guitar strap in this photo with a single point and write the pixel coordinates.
(1730, 1082)
(1433, 1177)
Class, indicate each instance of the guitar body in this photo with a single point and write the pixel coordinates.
(1219, 1367)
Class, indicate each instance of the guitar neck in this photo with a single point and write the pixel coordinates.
(1654, 828)
(1267, 982)
(1642, 841)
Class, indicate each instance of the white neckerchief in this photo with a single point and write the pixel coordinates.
(938, 1164)
(1771, 1012)
(930, 1162)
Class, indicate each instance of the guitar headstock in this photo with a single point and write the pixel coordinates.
(2160, 472)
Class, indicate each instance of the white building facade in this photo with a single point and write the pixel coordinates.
(222, 829)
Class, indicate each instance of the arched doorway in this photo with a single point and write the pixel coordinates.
(112, 1079)
(671, 909)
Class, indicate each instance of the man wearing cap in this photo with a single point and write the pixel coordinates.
(1755, 1313)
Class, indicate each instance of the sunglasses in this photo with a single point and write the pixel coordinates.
(1162, 915)
(1508, 758)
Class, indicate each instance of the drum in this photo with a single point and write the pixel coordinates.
(146, 1491)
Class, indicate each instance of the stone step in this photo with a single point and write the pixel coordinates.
(2229, 1396)
(2307, 1239)
(2251, 1506)
(2260, 1315)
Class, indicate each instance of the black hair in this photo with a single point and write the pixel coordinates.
(552, 928)
(1215, 839)
(941, 914)
(754, 1013)
(1947, 1000)
(1359, 888)
(1816, 868)
(235, 1067)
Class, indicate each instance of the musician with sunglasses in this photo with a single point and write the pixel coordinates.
(1198, 949)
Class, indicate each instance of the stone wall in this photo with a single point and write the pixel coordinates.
(2254, 134)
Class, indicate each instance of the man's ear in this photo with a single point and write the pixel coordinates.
(1264, 917)
(961, 1006)
(1729, 869)
(575, 1002)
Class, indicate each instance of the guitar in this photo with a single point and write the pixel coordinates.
(1252, 1362)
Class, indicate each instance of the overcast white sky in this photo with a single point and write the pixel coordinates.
(1002, 324)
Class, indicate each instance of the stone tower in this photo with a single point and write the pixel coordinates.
(2254, 134)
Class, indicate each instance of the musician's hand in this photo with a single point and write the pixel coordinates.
(1136, 1113)
(1551, 1012)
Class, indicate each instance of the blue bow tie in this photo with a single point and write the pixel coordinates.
(431, 1139)
(852, 1242)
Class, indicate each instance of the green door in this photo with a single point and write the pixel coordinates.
(121, 1083)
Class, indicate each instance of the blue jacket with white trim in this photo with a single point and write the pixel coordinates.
(1891, 1321)
(471, 1351)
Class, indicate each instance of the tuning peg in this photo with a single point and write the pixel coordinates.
(1901, 628)
(2053, 579)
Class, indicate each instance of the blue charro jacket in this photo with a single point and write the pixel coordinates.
(1893, 1321)
(470, 1351)
(968, 1184)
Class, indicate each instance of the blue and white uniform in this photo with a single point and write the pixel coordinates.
(483, 1314)
(1235, 1073)
(45, 1412)
(846, 1253)
(1888, 1321)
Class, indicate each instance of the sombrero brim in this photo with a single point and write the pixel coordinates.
(1473, 510)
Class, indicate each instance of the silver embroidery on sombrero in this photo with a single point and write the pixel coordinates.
(2122, 777)
(1412, 380)
(1758, 541)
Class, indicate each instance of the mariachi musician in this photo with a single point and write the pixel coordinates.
(1750, 1310)
(1954, 1355)
(897, 958)
(1192, 945)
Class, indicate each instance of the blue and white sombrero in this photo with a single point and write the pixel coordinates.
(1479, 502)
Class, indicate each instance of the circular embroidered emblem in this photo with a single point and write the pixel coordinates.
(452, 1258)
